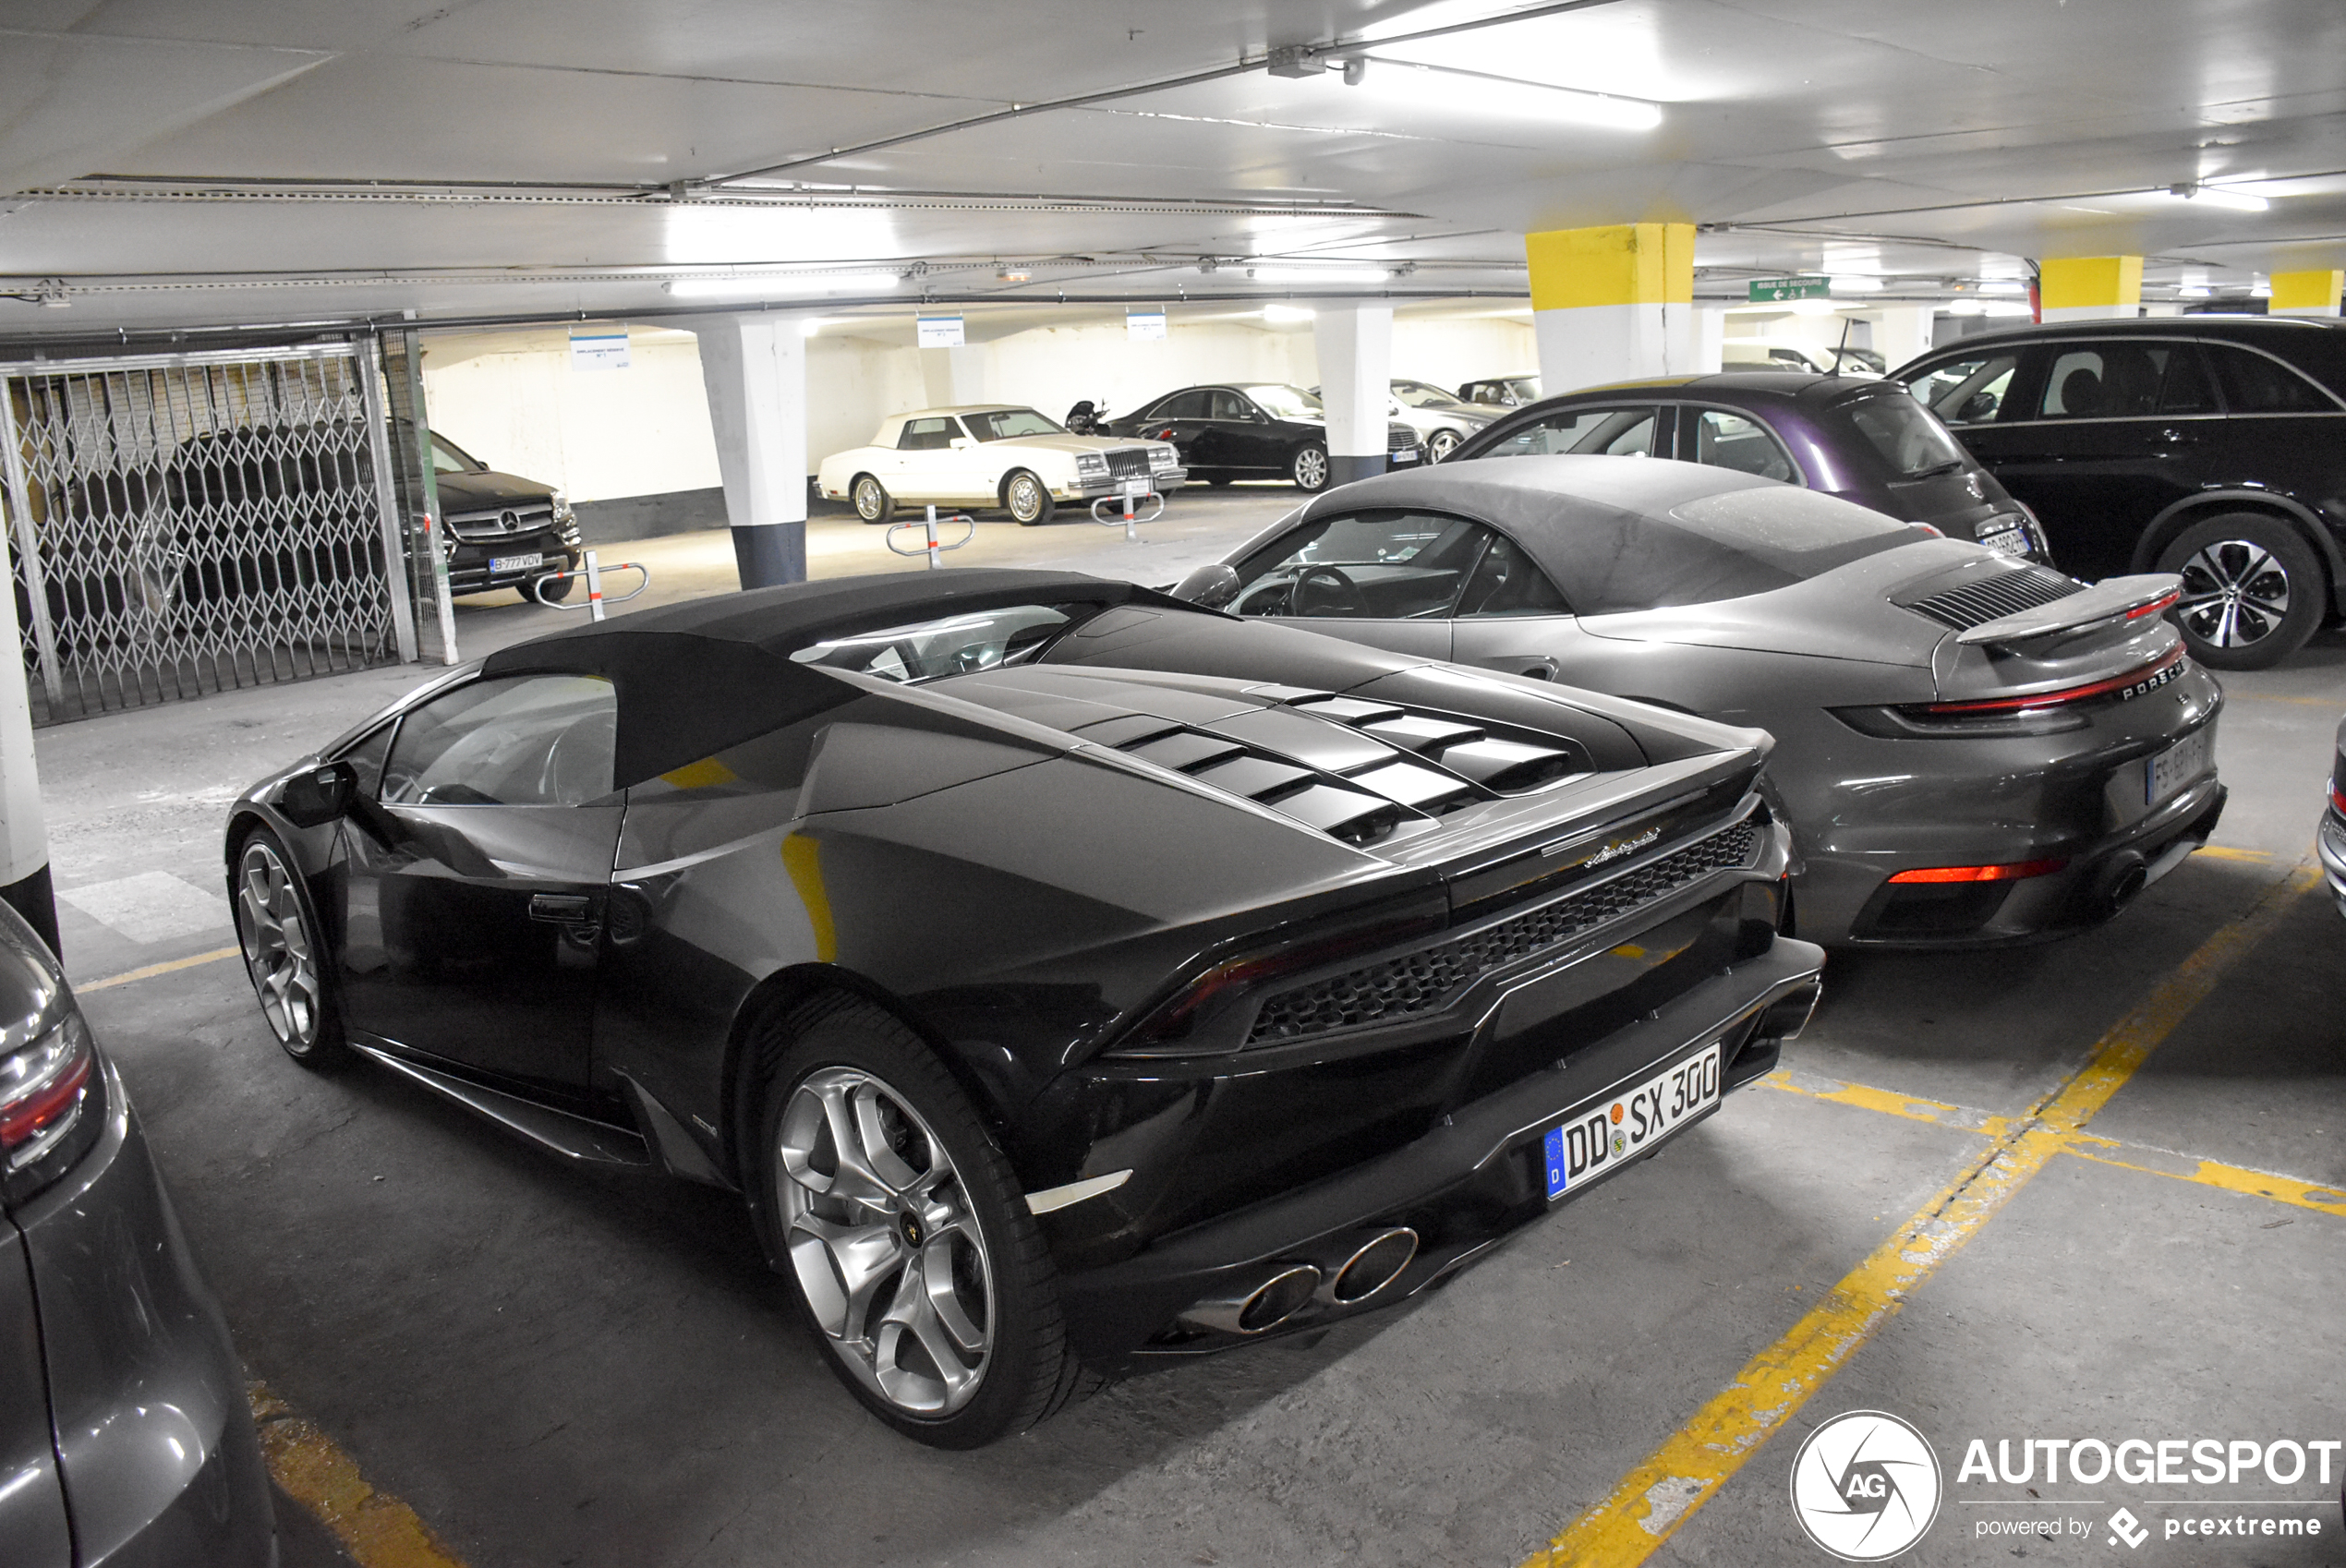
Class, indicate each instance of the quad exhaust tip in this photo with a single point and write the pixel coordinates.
(1377, 1262)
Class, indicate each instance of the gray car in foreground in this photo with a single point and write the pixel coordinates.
(1971, 750)
(125, 1437)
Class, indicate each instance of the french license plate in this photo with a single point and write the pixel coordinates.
(504, 564)
(2182, 763)
(2012, 541)
(1620, 1129)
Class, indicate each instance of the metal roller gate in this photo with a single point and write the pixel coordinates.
(189, 523)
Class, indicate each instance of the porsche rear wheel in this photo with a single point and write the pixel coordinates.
(886, 1201)
(1027, 498)
(286, 953)
(872, 501)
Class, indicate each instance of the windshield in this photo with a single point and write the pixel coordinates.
(1908, 437)
(1285, 403)
(954, 644)
(1417, 394)
(1008, 424)
(447, 457)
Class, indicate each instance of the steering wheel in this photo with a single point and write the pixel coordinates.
(1342, 595)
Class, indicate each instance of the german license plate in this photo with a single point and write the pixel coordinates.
(504, 564)
(2012, 541)
(2182, 763)
(1618, 1130)
(1407, 454)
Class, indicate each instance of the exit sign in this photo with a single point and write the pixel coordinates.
(1773, 291)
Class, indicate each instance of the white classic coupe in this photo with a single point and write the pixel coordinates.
(991, 454)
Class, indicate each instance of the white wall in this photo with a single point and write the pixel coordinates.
(512, 400)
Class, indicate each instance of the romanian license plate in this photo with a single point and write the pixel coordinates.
(2012, 541)
(2182, 763)
(504, 564)
(1618, 1130)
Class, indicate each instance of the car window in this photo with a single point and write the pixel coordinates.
(2255, 385)
(1385, 564)
(1417, 394)
(1227, 405)
(1966, 391)
(366, 757)
(2187, 389)
(2104, 380)
(952, 645)
(1285, 403)
(520, 741)
(447, 457)
(1187, 404)
(1605, 432)
(1731, 440)
(1010, 424)
(928, 435)
(1906, 436)
(1506, 583)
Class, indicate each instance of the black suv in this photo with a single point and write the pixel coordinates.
(2210, 446)
(503, 531)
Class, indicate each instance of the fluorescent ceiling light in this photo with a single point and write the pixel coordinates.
(1855, 283)
(1966, 307)
(1288, 313)
(1281, 273)
(1996, 286)
(2004, 308)
(2217, 196)
(1472, 92)
(1812, 307)
(2261, 289)
(758, 285)
(2192, 291)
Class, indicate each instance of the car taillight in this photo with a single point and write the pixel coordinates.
(2157, 673)
(2338, 798)
(2016, 872)
(49, 1106)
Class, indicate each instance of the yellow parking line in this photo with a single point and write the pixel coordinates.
(2245, 1179)
(153, 970)
(377, 1529)
(1664, 1492)
(2226, 852)
(1912, 1107)
(2330, 703)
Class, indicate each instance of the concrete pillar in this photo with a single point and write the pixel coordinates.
(754, 366)
(1355, 346)
(1710, 342)
(1612, 303)
(1900, 333)
(24, 826)
(2091, 288)
(2306, 294)
(956, 376)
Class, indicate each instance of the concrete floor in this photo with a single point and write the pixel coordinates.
(557, 1368)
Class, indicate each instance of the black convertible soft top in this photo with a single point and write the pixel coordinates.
(695, 677)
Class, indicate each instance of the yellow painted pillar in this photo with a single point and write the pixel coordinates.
(2306, 294)
(2091, 288)
(1612, 303)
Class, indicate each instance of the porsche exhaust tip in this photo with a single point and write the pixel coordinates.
(2113, 885)
(1375, 1261)
(1270, 1300)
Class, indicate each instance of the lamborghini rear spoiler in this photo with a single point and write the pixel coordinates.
(2113, 601)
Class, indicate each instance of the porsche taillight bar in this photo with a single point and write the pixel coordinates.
(2115, 684)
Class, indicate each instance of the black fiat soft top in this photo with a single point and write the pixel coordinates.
(695, 677)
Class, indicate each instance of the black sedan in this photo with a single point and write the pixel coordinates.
(1862, 439)
(123, 1432)
(2213, 447)
(1971, 750)
(1062, 973)
(1256, 431)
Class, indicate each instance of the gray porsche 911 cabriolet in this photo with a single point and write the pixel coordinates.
(1062, 973)
(1971, 750)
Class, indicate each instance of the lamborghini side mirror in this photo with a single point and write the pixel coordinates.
(1210, 587)
(318, 796)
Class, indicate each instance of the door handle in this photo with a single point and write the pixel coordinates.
(562, 908)
(2173, 437)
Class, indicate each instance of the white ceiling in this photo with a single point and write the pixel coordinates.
(190, 162)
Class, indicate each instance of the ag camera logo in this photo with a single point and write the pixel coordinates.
(1865, 1485)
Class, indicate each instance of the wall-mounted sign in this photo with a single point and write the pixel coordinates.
(941, 331)
(1775, 291)
(599, 351)
(1145, 326)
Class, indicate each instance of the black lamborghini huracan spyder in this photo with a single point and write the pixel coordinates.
(1064, 974)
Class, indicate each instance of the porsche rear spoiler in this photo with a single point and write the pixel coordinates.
(2112, 601)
